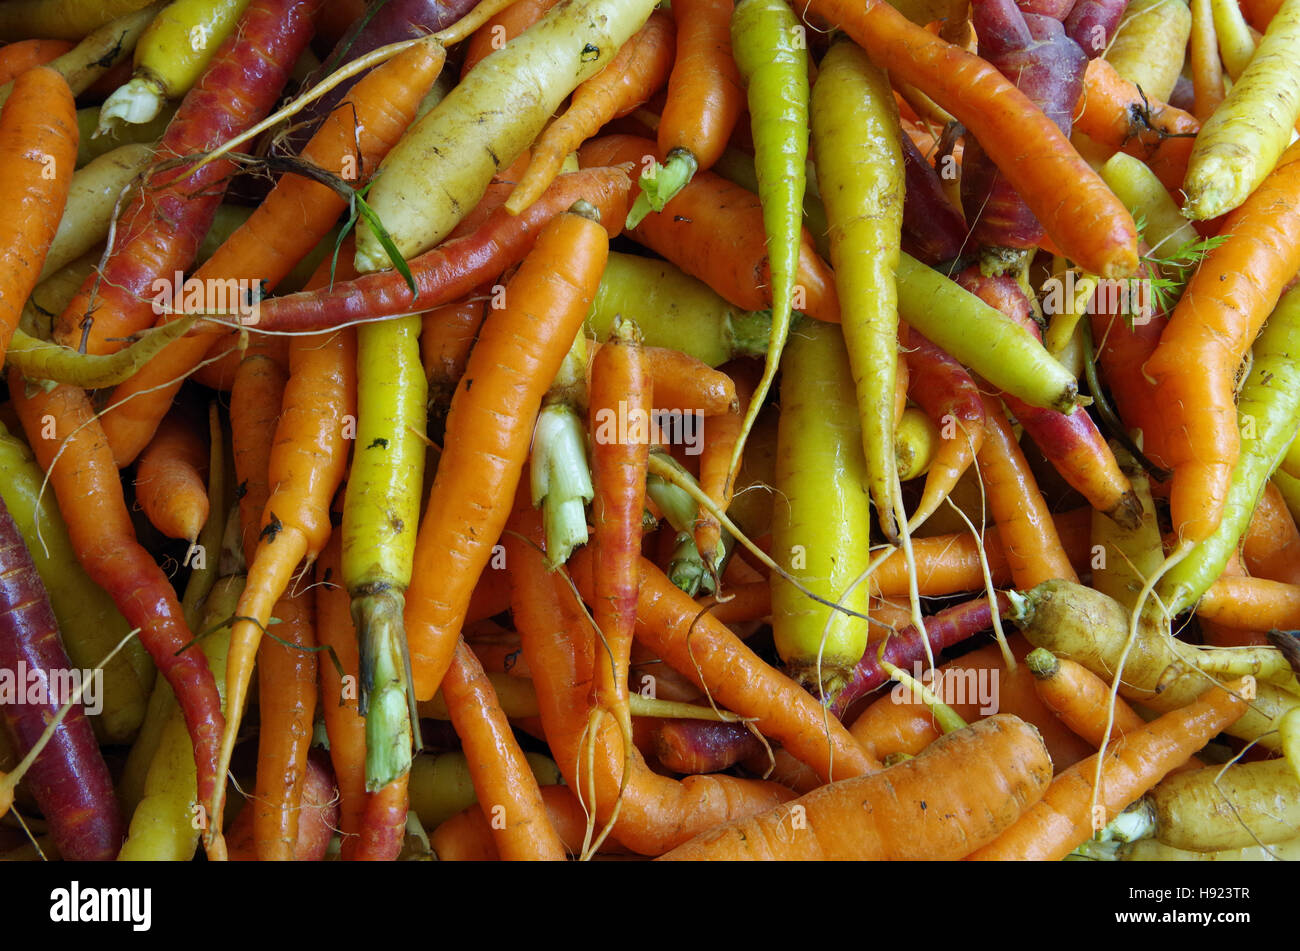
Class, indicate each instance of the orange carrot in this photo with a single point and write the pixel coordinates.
(708, 231)
(519, 351)
(1203, 57)
(307, 463)
(171, 482)
(38, 146)
(1061, 820)
(502, 28)
(1252, 604)
(1031, 542)
(681, 382)
(503, 780)
(705, 92)
(633, 76)
(1271, 546)
(1195, 365)
(17, 58)
(715, 459)
(917, 810)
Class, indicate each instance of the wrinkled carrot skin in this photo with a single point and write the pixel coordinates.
(501, 774)
(1271, 546)
(456, 267)
(1031, 542)
(708, 231)
(282, 230)
(69, 779)
(1112, 112)
(949, 564)
(913, 811)
(170, 482)
(286, 708)
(1061, 820)
(703, 746)
(705, 93)
(241, 85)
(86, 482)
(344, 724)
(657, 813)
(1088, 223)
(1195, 365)
(709, 654)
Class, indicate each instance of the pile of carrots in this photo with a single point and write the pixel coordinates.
(545, 429)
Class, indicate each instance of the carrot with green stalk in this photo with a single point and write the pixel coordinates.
(772, 56)
(860, 173)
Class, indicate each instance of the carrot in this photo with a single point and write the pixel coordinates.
(1114, 112)
(518, 353)
(1246, 135)
(306, 465)
(69, 778)
(38, 142)
(383, 825)
(707, 230)
(467, 836)
(1125, 557)
(467, 137)
(255, 401)
(1086, 222)
(60, 19)
(638, 71)
(293, 219)
(1158, 671)
(1253, 604)
(16, 58)
(86, 482)
(1063, 819)
(1203, 59)
(286, 708)
(708, 653)
(319, 818)
(170, 57)
(503, 780)
(706, 96)
(715, 462)
(1079, 697)
(910, 811)
(769, 50)
(1149, 45)
(344, 724)
(1227, 807)
(1271, 545)
(501, 29)
(240, 85)
(1033, 547)
(1226, 302)
(656, 812)
(453, 269)
(619, 386)
(860, 172)
(170, 484)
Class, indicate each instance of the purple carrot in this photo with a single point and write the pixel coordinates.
(384, 22)
(1092, 24)
(704, 746)
(1034, 52)
(933, 230)
(905, 649)
(69, 778)
(1056, 9)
